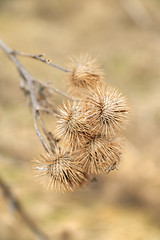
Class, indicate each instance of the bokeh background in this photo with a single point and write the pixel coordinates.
(124, 35)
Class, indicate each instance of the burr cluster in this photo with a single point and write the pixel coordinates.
(89, 130)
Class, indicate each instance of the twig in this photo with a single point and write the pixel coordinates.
(41, 58)
(51, 139)
(16, 205)
(138, 14)
(27, 77)
(56, 90)
(30, 83)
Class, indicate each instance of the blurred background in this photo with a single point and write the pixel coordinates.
(124, 35)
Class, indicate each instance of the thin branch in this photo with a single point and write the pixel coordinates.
(51, 139)
(40, 57)
(17, 206)
(56, 90)
(28, 84)
(29, 79)
(43, 109)
(138, 13)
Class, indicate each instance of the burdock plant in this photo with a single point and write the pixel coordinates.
(90, 127)
(88, 138)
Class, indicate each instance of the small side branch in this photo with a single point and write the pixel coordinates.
(56, 90)
(17, 206)
(40, 57)
(29, 85)
(139, 14)
(30, 81)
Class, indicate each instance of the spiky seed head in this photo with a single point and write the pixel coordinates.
(106, 111)
(100, 155)
(70, 125)
(59, 171)
(85, 74)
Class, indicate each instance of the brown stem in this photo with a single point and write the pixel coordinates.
(139, 14)
(17, 206)
(56, 90)
(41, 58)
(30, 81)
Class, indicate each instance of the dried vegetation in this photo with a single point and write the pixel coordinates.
(89, 130)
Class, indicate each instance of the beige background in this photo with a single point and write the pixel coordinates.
(126, 203)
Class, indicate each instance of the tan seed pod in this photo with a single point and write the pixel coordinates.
(59, 171)
(85, 74)
(99, 155)
(107, 111)
(70, 125)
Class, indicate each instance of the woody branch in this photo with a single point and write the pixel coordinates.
(30, 82)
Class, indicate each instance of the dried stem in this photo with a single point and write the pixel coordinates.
(17, 206)
(139, 14)
(56, 90)
(40, 57)
(29, 81)
(52, 141)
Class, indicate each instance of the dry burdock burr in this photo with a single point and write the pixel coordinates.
(89, 130)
